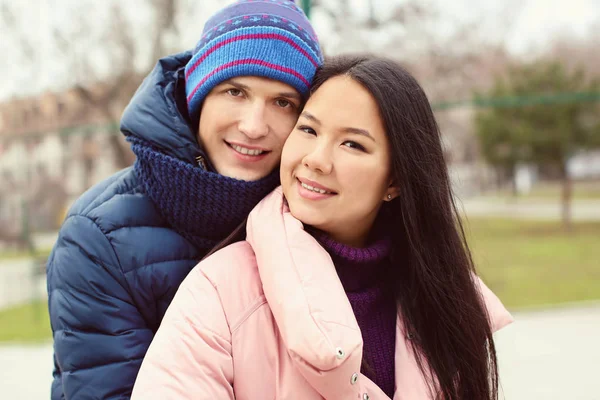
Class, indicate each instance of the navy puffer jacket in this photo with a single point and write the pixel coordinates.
(117, 263)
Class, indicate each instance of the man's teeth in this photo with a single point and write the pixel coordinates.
(249, 152)
(312, 189)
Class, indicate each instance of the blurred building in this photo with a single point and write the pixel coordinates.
(52, 148)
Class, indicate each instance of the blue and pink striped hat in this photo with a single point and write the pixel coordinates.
(267, 38)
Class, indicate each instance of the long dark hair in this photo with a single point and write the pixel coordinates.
(432, 272)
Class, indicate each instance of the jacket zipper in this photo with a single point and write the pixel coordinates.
(201, 162)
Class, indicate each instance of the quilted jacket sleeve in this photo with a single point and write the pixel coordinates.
(190, 357)
(99, 334)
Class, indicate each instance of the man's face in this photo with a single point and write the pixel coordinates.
(243, 124)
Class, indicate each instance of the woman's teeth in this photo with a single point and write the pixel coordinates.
(245, 151)
(312, 189)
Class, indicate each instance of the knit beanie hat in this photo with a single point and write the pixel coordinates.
(266, 38)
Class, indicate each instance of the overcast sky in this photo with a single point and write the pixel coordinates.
(533, 23)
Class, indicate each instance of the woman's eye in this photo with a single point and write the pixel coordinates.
(284, 103)
(234, 92)
(354, 145)
(307, 129)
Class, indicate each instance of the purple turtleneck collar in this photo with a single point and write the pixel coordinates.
(360, 271)
(356, 265)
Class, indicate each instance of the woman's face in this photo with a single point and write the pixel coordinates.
(335, 166)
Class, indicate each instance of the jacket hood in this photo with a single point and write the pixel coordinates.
(157, 113)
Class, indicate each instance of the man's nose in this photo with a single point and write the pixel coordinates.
(253, 122)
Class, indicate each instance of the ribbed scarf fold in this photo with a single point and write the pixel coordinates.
(202, 206)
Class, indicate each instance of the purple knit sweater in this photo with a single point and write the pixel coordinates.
(376, 314)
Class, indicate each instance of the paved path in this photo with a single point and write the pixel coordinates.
(551, 355)
(26, 372)
(582, 210)
(546, 355)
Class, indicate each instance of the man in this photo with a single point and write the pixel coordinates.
(207, 128)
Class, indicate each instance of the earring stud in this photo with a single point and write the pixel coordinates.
(389, 196)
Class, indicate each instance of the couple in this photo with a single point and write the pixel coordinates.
(351, 280)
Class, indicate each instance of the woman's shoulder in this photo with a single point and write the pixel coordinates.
(498, 315)
(229, 261)
(233, 272)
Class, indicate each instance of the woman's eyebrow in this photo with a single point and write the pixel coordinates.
(356, 131)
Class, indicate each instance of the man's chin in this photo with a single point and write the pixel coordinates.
(245, 175)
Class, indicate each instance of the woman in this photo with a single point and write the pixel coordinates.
(376, 298)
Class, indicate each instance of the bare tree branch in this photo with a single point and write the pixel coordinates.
(166, 14)
(10, 21)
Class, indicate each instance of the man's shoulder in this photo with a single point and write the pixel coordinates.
(123, 212)
(121, 183)
(116, 221)
(118, 201)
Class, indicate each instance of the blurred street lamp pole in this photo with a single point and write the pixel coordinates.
(306, 7)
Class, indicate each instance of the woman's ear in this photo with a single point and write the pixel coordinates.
(392, 192)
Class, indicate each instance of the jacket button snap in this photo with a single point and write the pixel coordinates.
(339, 353)
(365, 396)
(354, 378)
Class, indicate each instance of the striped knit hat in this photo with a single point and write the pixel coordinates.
(267, 38)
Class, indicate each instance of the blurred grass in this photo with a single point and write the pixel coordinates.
(550, 192)
(7, 255)
(27, 323)
(532, 263)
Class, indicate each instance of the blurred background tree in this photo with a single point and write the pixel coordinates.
(109, 55)
(543, 114)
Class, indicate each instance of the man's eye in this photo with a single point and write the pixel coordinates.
(234, 92)
(284, 103)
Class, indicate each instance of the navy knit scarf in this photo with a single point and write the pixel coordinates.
(203, 206)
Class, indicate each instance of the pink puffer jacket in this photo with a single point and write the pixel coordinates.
(269, 319)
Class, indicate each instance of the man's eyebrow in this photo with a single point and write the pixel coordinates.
(356, 131)
(293, 95)
(239, 85)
